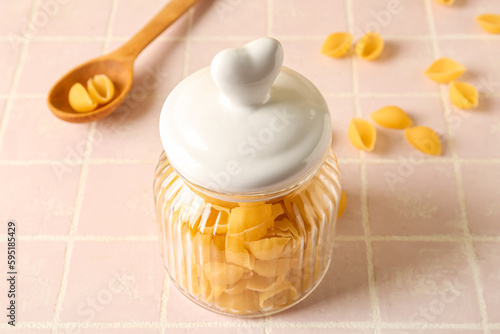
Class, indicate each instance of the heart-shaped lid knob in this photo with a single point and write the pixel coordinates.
(246, 125)
(245, 74)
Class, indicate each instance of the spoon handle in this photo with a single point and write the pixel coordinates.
(168, 15)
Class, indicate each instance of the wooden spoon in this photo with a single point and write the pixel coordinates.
(117, 65)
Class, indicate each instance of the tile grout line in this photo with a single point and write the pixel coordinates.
(164, 302)
(79, 195)
(236, 37)
(374, 301)
(188, 42)
(16, 76)
(341, 238)
(471, 256)
(363, 325)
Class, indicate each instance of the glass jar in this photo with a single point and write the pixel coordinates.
(247, 255)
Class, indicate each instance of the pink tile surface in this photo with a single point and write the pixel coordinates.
(116, 331)
(10, 58)
(460, 19)
(234, 18)
(319, 331)
(482, 198)
(71, 18)
(114, 281)
(131, 15)
(16, 23)
(431, 331)
(210, 330)
(44, 135)
(329, 75)
(157, 71)
(390, 17)
(430, 281)
(295, 17)
(465, 127)
(488, 254)
(342, 110)
(351, 222)
(391, 143)
(38, 279)
(57, 58)
(116, 136)
(343, 293)
(402, 201)
(417, 270)
(129, 201)
(40, 197)
(401, 66)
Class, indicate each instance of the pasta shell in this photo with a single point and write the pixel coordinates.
(267, 249)
(445, 2)
(463, 95)
(342, 204)
(489, 22)
(445, 70)
(370, 46)
(101, 88)
(391, 117)
(337, 44)
(424, 139)
(362, 134)
(80, 100)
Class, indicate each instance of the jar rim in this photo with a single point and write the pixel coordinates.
(254, 196)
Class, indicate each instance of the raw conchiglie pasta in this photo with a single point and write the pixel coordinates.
(489, 22)
(342, 204)
(370, 46)
(236, 253)
(424, 139)
(391, 117)
(246, 217)
(444, 70)
(337, 44)
(80, 100)
(445, 2)
(101, 88)
(222, 273)
(362, 134)
(463, 95)
(267, 249)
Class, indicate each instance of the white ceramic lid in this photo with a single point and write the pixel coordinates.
(246, 125)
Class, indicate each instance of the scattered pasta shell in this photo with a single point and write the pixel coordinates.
(370, 46)
(337, 44)
(424, 139)
(463, 95)
(445, 2)
(362, 134)
(342, 204)
(101, 88)
(445, 70)
(489, 22)
(79, 99)
(391, 117)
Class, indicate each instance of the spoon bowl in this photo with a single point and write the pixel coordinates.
(119, 72)
(118, 66)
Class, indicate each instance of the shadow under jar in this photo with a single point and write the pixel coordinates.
(260, 241)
